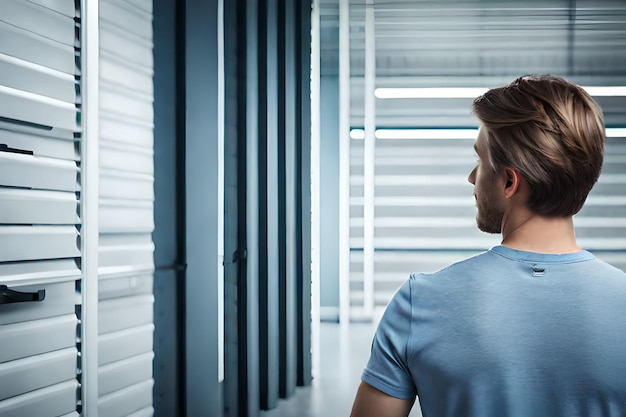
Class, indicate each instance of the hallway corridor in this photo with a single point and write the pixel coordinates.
(343, 356)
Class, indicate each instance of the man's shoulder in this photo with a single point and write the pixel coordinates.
(472, 264)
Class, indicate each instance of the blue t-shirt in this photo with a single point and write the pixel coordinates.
(507, 333)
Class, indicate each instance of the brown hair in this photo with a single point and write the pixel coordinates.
(552, 132)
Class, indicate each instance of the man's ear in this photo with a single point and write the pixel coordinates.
(513, 179)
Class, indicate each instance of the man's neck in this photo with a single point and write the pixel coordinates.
(530, 232)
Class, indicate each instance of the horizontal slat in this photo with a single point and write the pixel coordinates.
(25, 107)
(22, 243)
(146, 412)
(37, 79)
(132, 49)
(124, 130)
(127, 18)
(119, 73)
(19, 170)
(18, 206)
(122, 101)
(124, 286)
(126, 312)
(126, 216)
(128, 159)
(126, 185)
(126, 401)
(55, 400)
(37, 272)
(39, 20)
(35, 337)
(134, 253)
(121, 374)
(34, 372)
(45, 146)
(60, 6)
(59, 301)
(145, 5)
(124, 344)
(25, 45)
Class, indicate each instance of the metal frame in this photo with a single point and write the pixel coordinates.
(89, 206)
(344, 161)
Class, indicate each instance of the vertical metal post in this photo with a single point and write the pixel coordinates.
(252, 207)
(369, 124)
(89, 206)
(344, 161)
(315, 189)
(220, 190)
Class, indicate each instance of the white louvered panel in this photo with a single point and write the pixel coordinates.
(36, 372)
(39, 242)
(126, 260)
(56, 400)
(127, 400)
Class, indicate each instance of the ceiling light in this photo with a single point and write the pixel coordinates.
(426, 133)
(616, 132)
(473, 92)
(445, 92)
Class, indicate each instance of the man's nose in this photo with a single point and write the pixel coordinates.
(472, 177)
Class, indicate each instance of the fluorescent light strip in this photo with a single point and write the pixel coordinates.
(444, 92)
(418, 133)
(616, 132)
(473, 92)
(611, 132)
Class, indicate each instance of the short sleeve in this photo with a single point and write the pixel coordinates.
(387, 369)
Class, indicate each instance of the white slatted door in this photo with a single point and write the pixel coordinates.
(126, 266)
(39, 201)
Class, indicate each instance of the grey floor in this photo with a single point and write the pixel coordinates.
(343, 354)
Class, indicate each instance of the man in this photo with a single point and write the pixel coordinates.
(536, 326)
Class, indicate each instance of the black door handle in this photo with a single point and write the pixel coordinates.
(8, 296)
